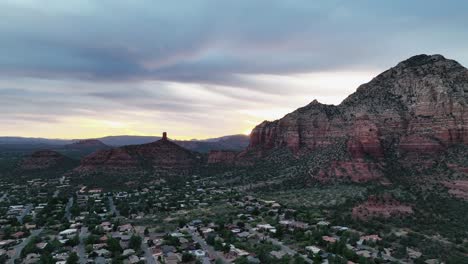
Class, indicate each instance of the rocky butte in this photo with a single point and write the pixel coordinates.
(409, 115)
(159, 156)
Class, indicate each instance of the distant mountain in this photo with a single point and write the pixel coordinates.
(82, 148)
(125, 140)
(33, 141)
(234, 142)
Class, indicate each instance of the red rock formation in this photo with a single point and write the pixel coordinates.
(161, 155)
(417, 108)
(356, 170)
(458, 188)
(381, 207)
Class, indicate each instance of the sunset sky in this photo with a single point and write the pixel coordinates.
(199, 69)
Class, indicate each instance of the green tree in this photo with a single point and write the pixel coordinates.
(73, 258)
(135, 242)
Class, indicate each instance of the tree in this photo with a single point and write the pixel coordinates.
(113, 245)
(187, 257)
(73, 258)
(135, 242)
(46, 259)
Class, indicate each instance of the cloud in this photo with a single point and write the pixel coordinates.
(204, 64)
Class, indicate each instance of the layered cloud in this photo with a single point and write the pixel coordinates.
(200, 68)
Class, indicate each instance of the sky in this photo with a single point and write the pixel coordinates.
(201, 68)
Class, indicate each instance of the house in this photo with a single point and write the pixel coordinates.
(68, 233)
(373, 238)
(364, 253)
(168, 249)
(329, 239)
(106, 226)
(103, 252)
(173, 258)
(277, 254)
(18, 235)
(32, 258)
(323, 223)
(243, 234)
(133, 259)
(313, 249)
(7, 243)
(340, 228)
(238, 252)
(125, 228)
(128, 252)
(199, 254)
(41, 245)
(267, 227)
(253, 260)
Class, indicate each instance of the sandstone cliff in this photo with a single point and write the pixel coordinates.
(415, 109)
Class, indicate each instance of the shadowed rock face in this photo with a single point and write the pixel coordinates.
(43, 160)
(418, 107)
(161, 155)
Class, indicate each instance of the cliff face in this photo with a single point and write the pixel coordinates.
(417, 108)
(161, 155)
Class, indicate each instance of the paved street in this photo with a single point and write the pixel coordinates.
(18, 248)
(24, 213)
(81, 247)
(67, 208)
(4, 196)
(148, 253)
(113, 209)
(207, 248)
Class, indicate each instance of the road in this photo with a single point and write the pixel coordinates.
(4, 196)
(207, 248)
(112, 207)
(24, 213)
(81, 247)
(67, 208)
(18, 248)
(148, 254)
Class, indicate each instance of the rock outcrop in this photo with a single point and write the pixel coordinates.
(381, 207)
(159, 156)
(417, 108)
